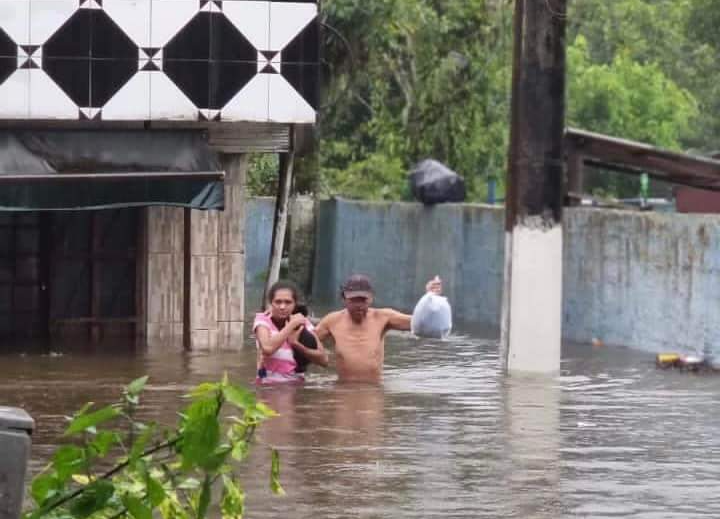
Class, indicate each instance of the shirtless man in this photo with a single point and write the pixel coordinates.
(359, 330)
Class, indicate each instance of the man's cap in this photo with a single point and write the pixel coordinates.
(357, 285)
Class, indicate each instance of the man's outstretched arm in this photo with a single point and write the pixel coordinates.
(396, 320)
(400, 321)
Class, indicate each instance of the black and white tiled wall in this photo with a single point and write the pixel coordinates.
(187, 60)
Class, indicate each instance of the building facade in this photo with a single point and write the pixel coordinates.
(125, 129)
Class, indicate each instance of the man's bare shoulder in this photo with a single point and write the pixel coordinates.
(332, 317)
(391, 319)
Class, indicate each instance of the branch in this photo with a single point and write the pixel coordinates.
(107, 475)
(348, 48)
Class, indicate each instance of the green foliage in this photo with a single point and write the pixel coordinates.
(118, 466)
(652, 40)
(262, 178)
(630, 75)
(626, 98)
(410, 79)
(416, 79)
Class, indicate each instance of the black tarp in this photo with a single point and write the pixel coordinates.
(163, 168)
(432, 182)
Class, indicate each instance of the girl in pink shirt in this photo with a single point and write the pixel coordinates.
(277, 336)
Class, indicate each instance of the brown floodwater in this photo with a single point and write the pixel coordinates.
(446, 435)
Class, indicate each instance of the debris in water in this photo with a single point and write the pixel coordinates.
(676, 360)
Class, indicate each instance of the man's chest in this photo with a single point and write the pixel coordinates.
(356, 340)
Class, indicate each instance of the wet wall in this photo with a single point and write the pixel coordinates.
(649, 281)
(258, 238)
(402, 245)
(645, 280)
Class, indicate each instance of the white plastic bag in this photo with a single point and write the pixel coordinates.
(432, 317)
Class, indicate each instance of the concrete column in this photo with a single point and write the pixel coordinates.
(231, 254)
(217, 289)
(217, 272)
(164, 277)
(532, 299)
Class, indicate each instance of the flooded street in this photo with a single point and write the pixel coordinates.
(445, 436)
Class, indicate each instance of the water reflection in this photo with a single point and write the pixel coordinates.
(445, 435)
(532, 412)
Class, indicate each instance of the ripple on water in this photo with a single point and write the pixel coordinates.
(446, 435)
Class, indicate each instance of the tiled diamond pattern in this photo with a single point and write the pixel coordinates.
(219, 60)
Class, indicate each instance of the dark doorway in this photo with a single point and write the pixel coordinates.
(70, 274)
(93, 273)
(23, 276)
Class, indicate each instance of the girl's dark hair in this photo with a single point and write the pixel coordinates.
(284, 284)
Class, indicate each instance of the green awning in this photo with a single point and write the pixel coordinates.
(78, 170)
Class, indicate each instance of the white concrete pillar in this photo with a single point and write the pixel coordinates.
(532, 306)
(532, 299)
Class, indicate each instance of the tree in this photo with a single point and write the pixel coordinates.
(410, 79)
(627, 99)
(424, 79)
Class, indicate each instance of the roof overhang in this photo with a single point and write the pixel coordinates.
(636, 158)
(74, 170)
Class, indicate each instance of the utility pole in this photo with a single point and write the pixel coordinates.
(532, 296)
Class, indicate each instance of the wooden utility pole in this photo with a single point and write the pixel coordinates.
(532, 299)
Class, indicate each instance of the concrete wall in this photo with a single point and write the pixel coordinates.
(649, 281)
(402, 245)
(301, 253)
(645, 280)
(258, 239)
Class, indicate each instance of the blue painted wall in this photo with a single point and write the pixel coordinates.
(258, 238)
(402, 245)
(650, 281)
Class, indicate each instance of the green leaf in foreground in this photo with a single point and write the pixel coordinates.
(233, 500)
(204, 501)
(139, 446)
(93, 499)
(202, 433)
(155, 491)
(136, 387)
(275, 485)
(136, 507)
(85, 421)
(68, 460)
(239, 397)
(103, 442)
(44, 487)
